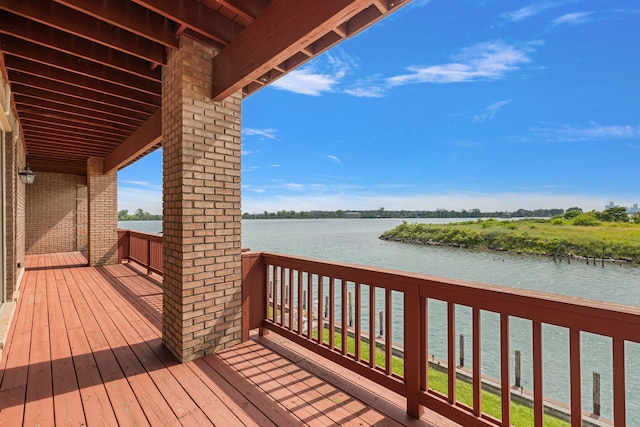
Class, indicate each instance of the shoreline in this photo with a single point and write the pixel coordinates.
(557, 258)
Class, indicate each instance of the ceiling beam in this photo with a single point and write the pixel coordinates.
(24, 66)
(67, 102)
(289, 26)
(43, 35)
(52, 58)
(247, 9)
(33, 105)
(128, 16)
(79, 24)
(148, 135)
(37, 82)
(195, 16)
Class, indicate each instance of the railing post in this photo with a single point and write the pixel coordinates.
(123, 244)
(413, 341)
(461, 350)
(254, 292)
(381, 317)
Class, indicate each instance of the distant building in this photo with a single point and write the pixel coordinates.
(352, 215)
(633, 209)
(610, 205)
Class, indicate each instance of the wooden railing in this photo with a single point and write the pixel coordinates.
(287, 295)
(142, 248)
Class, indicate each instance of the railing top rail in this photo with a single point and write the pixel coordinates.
(148, 236)
(600, 317)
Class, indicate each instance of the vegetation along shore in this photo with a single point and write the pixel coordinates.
(610, 234)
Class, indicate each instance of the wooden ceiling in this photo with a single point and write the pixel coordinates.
(86, 74)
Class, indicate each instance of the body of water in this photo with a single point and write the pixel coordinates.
(356, 241)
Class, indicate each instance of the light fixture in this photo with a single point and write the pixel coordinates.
(26, 175)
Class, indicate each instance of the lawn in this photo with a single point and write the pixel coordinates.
(521, 415)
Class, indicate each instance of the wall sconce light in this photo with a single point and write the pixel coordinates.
(26, 175)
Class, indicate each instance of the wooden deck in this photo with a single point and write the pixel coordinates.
(85, 349)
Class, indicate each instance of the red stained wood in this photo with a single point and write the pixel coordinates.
(505, 371)
(85, 347)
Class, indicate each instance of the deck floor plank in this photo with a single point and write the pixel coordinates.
(121, 397)
(67, 400)
(85, 348)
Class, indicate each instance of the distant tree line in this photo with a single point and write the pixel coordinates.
(383, 213)
(138, 215)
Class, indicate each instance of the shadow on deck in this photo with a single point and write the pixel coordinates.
(85, 348)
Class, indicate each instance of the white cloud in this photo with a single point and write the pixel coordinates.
(322, 76)
(574, 18)
(527, 11)
(491, 111)
(571, 133)
(266, 133)
(484, 61)
(274, 166)
(139, 183)
(306, 82)
(366, 92)
(333, 158)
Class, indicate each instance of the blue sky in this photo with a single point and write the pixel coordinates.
(493, 104)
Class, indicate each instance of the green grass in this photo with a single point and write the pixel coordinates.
(521, 415)
(619, 241)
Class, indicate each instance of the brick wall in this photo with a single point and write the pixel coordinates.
(52, 214)
(14, 211)
(202, 251)
(102, 214)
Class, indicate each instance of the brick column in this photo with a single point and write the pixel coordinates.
(202, 303)
(102, 195)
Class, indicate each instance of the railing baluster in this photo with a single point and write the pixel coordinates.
(574, 368)
(538, 396)
(309, 305)
(300, 301)
(344, 317)
(282, 295)
(477, 366)
(372, 326)
(332, 314)
(358, 323)
(148, 256)
(290, 305)
(619, 403)
(320, 309)
(451, 350)
(388, 343)
(505, 383)
(274, 293)
(423, 324)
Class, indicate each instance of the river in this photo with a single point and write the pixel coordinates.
(356, 241)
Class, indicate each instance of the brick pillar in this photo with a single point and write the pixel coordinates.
(102, 195)
(202, 303)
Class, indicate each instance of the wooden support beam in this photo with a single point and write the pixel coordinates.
(58, 40)
(148, 135)
(128, 16)
(196, 17)
(289, 26)
(79, 24)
